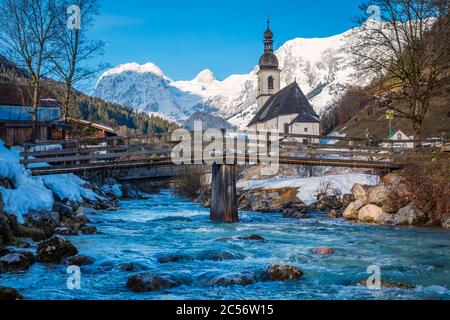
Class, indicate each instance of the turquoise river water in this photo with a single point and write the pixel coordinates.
(141, 231)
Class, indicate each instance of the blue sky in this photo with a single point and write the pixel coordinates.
(185, 37)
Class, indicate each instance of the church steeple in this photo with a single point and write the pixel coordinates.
(268, 74)
(268, 60)
(268, 36)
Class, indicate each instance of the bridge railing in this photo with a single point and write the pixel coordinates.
(80, 154)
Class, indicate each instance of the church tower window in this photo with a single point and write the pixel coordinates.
(270, 83)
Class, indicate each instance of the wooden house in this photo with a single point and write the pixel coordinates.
(16, 121)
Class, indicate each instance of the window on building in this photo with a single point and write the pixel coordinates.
(399, 136)
(286, 128)
(306, 129)
(305, 141)
(270, 80)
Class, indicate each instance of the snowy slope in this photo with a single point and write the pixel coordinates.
(36, 193)
(321, 66)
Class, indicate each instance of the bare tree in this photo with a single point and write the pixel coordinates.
(27, 28)
(74, 50)
(407, 44)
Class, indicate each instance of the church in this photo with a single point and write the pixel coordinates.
(286, 110)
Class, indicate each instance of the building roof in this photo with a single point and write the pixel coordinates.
(12, 95)
(268, 60)
(93, 125)
(289, 100)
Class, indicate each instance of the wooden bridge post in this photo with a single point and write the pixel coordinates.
(224, 208)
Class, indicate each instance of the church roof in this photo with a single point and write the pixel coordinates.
(268, 61)
(289, 100)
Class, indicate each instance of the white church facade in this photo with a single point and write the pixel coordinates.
(286, 110)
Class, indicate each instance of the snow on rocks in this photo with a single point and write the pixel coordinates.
(310, 188)
(71, 187)
(25, 194)
(28, 193)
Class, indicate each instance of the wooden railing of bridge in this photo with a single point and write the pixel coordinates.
(72, 156)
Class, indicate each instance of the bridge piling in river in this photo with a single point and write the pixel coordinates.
(224, 208)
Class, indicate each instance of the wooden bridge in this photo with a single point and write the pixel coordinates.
(142, 153)
(144, 157)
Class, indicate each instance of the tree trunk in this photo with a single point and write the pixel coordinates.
(34, 111)
(418, 133)
(66, 102)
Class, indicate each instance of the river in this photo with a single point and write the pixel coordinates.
(140, 231)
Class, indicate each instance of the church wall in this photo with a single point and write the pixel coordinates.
(307, 128)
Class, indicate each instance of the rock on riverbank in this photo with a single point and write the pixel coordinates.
(387, 203)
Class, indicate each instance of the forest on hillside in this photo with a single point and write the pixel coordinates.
(124, 119)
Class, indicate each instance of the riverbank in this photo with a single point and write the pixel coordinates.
(418, 195)
(140, 236)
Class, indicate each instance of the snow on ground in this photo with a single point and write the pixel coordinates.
(35, 193)
(309, 188)
(69, 186)
(29, 193)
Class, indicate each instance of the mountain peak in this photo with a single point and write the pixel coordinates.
(136, 68)
(205, 76)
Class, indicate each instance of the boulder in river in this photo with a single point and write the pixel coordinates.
(410, 215)
(386, 284)
(55, 249)
(334, 214)
(15, 262)
(373, 214)
(323, 251)
(277, 272)
(293, 213)
(80, 260)
(89, 230)
(214, 255)
(144, 282)
(133, 267)
(10, 294)
(229, 279)
(351, 212)
(174, 258)
(253, 237)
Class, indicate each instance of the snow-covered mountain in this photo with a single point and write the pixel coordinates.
(321, 66)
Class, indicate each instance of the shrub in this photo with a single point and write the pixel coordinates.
(428, 181)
